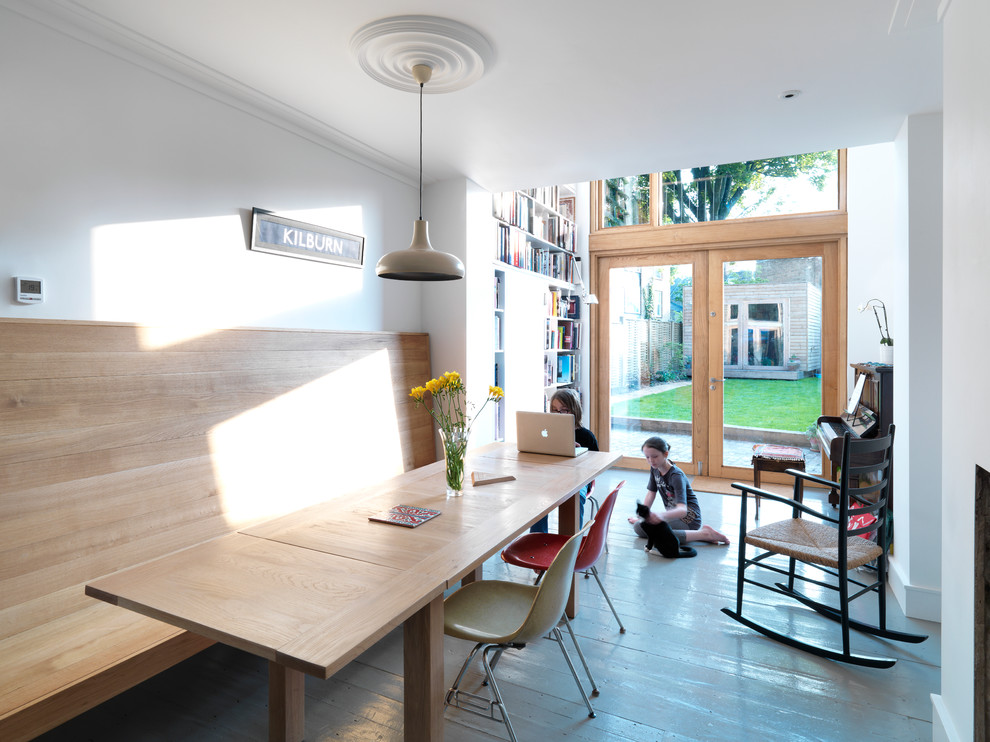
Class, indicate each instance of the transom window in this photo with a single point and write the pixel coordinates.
(793, 184)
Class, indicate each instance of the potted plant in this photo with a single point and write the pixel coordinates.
(448, 409)
(886, 342)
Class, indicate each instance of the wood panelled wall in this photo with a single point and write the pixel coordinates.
(120, 443)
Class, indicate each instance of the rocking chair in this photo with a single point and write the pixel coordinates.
(833, 544)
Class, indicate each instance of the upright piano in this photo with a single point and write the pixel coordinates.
(868, 413)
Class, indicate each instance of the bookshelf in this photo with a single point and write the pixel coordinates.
(499, 351)
(533, 235)
(562, 345)
(534, 293)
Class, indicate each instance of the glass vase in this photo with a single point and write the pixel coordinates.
(454, 447)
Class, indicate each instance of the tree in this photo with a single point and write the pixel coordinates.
(648, 308)
(627, 201)
(715, 190)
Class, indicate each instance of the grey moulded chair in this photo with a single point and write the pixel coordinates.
(500, 615)
(829, 544)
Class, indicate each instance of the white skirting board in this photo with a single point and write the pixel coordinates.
(943, 730)
(924, 603)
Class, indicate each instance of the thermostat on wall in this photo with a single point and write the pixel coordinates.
(29, 290)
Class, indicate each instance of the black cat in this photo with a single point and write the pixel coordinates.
(661, 536)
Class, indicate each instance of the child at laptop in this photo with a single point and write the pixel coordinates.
(566, 401)
(681, 509)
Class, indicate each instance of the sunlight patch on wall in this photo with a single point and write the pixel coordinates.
(195, 275)
(345, 416)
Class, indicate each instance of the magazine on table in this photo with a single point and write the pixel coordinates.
(405, 515)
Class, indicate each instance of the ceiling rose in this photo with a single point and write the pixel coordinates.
(387, 49)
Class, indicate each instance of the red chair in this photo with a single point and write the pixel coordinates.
(593, 508)
(536, 551)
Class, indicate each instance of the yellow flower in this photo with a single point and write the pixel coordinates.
(448, 405)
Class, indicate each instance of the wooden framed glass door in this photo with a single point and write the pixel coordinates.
(767, 359)
(646, 321)
(717, 351)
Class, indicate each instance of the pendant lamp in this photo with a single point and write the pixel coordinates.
(419, 261)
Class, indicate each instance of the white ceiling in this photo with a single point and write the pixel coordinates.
(579, 89)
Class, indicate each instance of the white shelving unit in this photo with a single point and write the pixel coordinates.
(564, 338)
(535, 248)
(499, 351)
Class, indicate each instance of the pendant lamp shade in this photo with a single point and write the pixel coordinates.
(419, 261)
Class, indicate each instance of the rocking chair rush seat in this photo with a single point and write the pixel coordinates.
(832, 544)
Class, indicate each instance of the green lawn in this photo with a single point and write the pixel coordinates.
(753, 403)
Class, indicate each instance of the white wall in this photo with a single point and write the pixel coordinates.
(966, 354)
(127, 192)
(894, 253)
(917, 563)
(872, 271)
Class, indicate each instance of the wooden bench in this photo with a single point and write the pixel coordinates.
(121, 443)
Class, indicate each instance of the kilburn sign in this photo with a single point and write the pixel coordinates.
(282, 236)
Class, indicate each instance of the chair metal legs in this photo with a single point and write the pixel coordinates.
(594, 685)
(493, 707)
(594, 572)
(479, 705)
(559, 638)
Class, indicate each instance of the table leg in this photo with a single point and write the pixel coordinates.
(422, 643)
(567, 524)
(474, 576)
(286, 703)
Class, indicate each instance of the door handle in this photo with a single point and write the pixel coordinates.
(715, 381)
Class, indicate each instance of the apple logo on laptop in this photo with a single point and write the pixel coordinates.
(544, 433)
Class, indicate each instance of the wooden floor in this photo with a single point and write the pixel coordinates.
(683, 670)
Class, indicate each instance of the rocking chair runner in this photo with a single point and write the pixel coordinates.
(831, 544)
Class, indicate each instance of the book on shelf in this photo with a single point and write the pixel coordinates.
(573, 308)
(567, 336)
(547, 195)
(529, 213)
(405, 515)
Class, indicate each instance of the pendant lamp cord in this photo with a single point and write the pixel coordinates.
(421, 151)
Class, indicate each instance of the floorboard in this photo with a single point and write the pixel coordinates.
(682, 671)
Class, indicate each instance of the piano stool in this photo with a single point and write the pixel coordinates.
(771, 457)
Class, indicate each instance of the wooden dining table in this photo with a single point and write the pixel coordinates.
(312, 590)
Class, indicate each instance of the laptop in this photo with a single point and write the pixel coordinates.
(546, 432)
